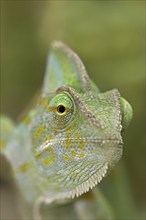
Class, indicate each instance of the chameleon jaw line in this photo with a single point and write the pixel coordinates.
(47, 144)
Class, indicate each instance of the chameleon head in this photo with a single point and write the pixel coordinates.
(77, 130)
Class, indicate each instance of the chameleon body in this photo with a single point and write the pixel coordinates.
(68, 142)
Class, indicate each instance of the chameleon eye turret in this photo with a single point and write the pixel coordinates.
(61, 110)
(70, 139)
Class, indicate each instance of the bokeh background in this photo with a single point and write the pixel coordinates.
(109, 36)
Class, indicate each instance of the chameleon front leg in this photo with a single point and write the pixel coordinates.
(92, 205)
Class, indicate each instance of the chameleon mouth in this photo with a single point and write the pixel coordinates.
(101, 142)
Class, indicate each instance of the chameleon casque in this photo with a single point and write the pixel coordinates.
(67, 143)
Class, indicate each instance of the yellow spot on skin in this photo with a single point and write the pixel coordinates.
(38, 156)
(52, 109)
(74, 153)
(68, 141)
(44, 101)
(24, 168)
(47, 161)
(48, 138)
(2, 144)
(81, 144)
(50, 150)
(77, 135)
(81, 155)
(40, 132)
(66, 157)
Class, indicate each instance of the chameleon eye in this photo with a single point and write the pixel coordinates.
(61, 110)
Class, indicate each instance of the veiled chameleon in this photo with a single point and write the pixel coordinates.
(67, 143)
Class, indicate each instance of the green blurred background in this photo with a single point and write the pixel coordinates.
(109, 36)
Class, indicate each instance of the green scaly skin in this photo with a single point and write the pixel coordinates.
(67, 143)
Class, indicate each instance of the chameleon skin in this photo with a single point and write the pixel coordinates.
(72, 137)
